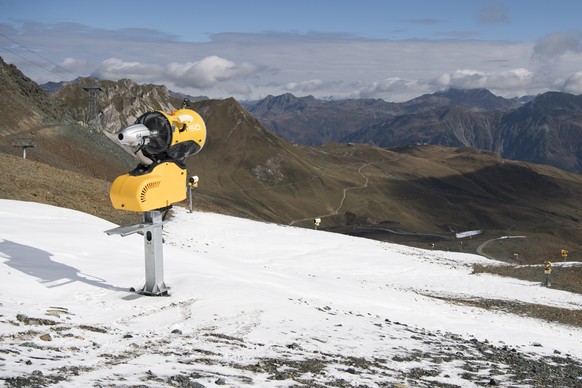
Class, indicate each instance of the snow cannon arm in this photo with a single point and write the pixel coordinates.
(136, 135)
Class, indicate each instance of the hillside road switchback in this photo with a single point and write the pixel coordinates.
(341, 204)
(484, 244)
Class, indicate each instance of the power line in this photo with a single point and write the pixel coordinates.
(55, 65)
(32, 61)
(92, 108)
(62, 71)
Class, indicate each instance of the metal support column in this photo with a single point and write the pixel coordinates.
(151, 229)
(154, 255)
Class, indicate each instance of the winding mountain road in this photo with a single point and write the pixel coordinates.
(341, 204)
(482, 246)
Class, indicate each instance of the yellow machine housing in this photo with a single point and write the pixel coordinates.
(161, 142)
(187, 125)
(163, 186)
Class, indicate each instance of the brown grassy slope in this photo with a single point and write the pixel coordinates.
(247, 169)
(424, 193)
(438, 190)
(73, 147)
(27, 180)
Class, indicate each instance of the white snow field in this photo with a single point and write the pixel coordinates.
(256, 304)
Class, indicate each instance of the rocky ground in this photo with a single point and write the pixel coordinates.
(209, 358)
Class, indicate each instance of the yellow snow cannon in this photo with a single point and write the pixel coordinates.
(161, 143)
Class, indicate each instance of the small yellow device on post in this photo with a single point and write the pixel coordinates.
(161, 142)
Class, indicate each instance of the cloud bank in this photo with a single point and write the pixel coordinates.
(251, 66)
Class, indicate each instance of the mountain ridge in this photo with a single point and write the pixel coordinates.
(414, 195)
(544, 129)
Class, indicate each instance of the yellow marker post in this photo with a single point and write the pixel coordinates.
(547, 272)
(564, 254)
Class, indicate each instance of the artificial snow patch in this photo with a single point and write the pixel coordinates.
(257, 304)
(469, 233)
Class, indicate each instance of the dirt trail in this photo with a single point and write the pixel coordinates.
(344, 195)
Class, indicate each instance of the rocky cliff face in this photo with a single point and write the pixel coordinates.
(546, 130)
(453, 126)
(116, 105)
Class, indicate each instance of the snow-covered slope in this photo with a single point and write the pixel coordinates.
(258, 304)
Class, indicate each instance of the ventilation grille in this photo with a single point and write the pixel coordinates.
(146, 188)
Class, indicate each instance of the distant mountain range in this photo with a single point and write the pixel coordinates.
(413, 194)
(545, 129)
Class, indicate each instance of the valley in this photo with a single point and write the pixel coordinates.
(416, 195)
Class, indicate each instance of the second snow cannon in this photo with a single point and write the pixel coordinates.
(161, 142)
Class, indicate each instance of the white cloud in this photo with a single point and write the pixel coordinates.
(573, 84)
(462, 79)
(115, 69)
(208, 72)
(238, 89)
(552, 46)
(73, 65)
(387, 87)
(515, 78)
(305, 86)
(470, 79)
(323, 65)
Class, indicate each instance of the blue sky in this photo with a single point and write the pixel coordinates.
(395, 50)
